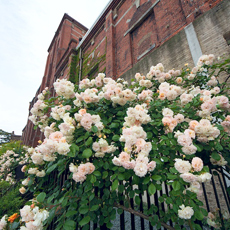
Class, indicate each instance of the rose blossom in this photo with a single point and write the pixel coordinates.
(3, 222)
(56, 136)
(22, 190)
(151, 166)
(90, 167)
(204, 177)
(182, 166)
(188, 177)
(79, 177)
(26, 213)
(140, 169)
(197, 164)
(185, 212)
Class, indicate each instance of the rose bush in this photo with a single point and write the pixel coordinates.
(106, 143)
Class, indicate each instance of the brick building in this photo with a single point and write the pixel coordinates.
(130, 36)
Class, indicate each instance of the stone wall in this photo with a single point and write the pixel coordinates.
(210, 29)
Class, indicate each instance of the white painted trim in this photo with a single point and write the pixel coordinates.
(193, 43)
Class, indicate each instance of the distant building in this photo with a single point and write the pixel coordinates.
(130, 36)
(15, 137)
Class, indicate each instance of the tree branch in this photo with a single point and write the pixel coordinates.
(140, 214)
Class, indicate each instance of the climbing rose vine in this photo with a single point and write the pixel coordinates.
(107, 143)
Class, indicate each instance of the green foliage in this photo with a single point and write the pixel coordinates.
(109, 185)
(10, 199)
(10, 146)
(74, 69)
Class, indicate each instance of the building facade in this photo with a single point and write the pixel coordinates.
(130, 36)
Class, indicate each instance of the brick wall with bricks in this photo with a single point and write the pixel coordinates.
(133, 35)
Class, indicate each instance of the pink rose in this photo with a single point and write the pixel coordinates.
(197, 164)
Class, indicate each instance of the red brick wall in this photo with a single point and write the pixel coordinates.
(166, 19)
(119, 38)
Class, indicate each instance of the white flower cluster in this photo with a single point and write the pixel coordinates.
(140, 166)
(187, 169)
(157, 73)
(80, 172)
(135, 144)
(64, 88)
(185, 212)
(114, 91)
(226, 124)
(98, 82)
(45, 151)
(145, 95)
(136, 116)
(185, 98)
(205, 131)
(167, 91)
(169, 121)
(86, 120)
(101, 147)
(205, 59)
(8, 161)
(67, 128)
(33, 217)
(58, 112)
(38, 116)
(88, 96)
(185, 140)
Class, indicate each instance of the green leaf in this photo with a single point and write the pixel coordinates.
(116, 138)
(152, 189)
(131, 194)
(94, 129)
(156, 177)
(176, 185)
(154, 146)
(94, 208)
(114, 125)
(89, 141)
(73, 149)
(149, 135)
(121, 177)
(105, 174)
(87, 153)
(198, 215)
(41, 197)
(137, 200)
(146, 180)
(216, 156)
(97, 173)
(93, 179)
(199, 147)
(119, 211)
(51, 168)
(71, 213)
(79, 139)
(115, 185)
(218, 146)
(83, 209)
(69, 225)
(84, 221)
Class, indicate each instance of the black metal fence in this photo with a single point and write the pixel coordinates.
(215, 197)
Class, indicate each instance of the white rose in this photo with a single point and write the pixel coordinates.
(185, 212)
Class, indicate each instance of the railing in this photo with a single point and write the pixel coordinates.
(214, 196)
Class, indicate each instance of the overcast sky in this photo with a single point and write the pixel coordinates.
(26, 30)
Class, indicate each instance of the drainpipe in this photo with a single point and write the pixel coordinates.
(80, 64)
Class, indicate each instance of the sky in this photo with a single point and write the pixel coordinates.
(27, 28)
